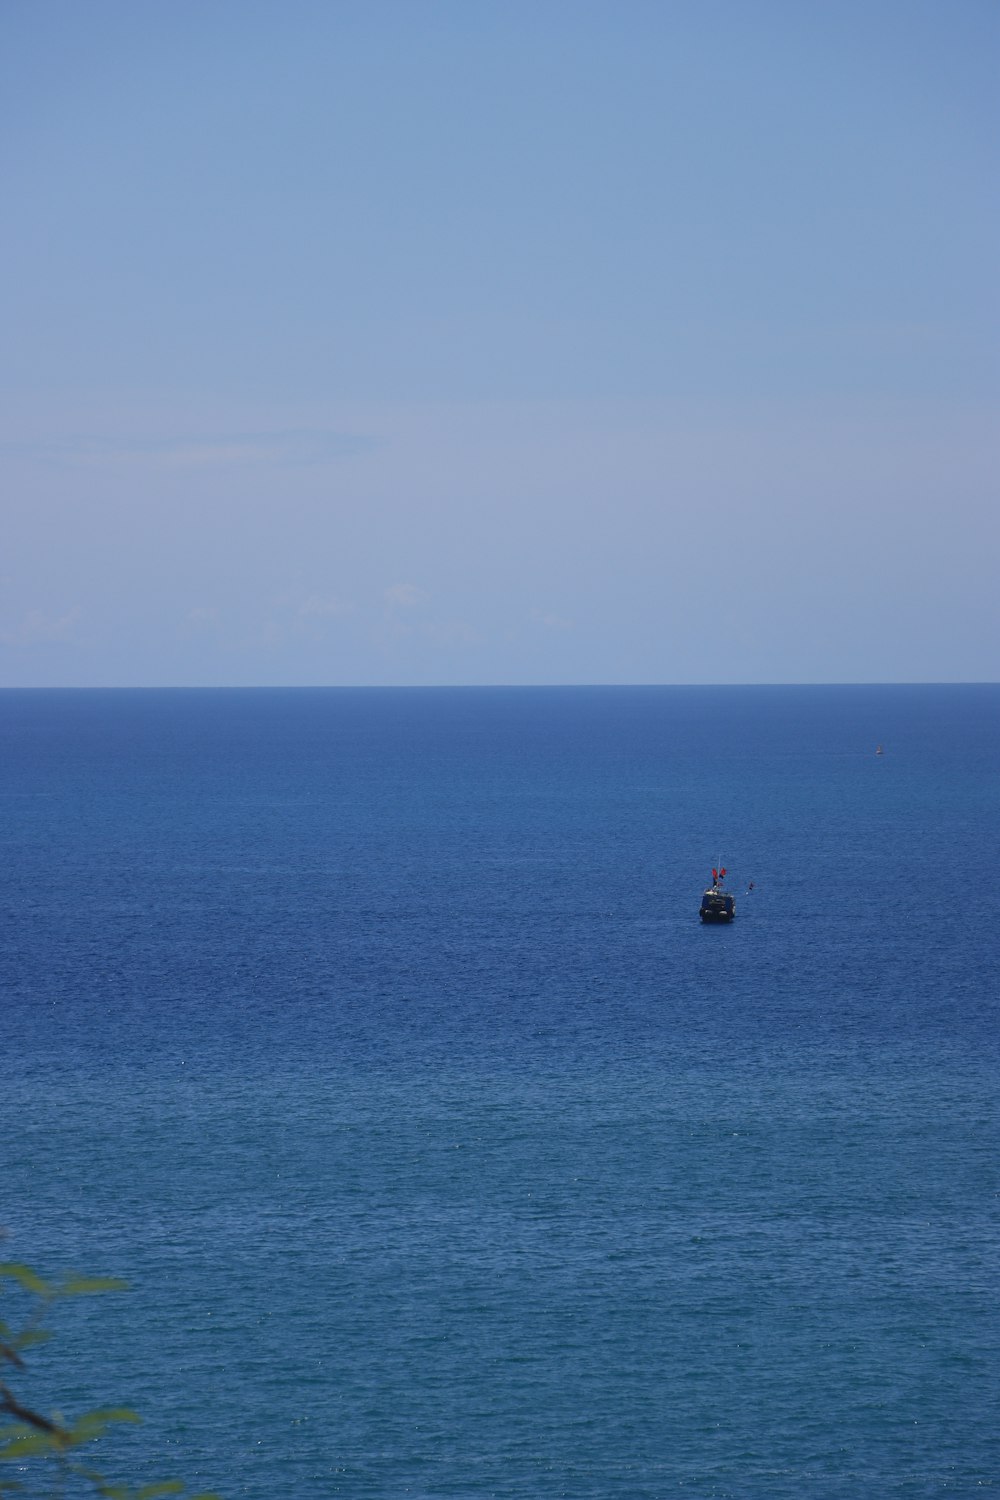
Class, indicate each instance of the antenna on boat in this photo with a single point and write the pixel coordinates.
(717, 904)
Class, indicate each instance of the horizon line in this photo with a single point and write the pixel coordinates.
(438, 687)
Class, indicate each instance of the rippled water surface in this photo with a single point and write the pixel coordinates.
(374, 1038)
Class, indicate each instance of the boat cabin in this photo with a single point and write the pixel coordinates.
(717, 905)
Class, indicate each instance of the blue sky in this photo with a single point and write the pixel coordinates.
(480, 343)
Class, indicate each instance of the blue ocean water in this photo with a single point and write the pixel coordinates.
(373, 1037)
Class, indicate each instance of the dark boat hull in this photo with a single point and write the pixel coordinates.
(717, 906)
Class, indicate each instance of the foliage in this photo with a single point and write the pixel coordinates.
(49, 1447)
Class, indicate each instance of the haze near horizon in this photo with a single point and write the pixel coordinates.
(446, 343)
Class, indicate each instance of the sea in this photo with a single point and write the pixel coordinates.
(373, 1037)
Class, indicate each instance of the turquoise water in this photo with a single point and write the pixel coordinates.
(374, 1038)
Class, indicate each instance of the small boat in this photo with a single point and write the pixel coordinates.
(717, 905)
(879, 750)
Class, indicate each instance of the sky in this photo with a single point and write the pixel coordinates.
(498, 341)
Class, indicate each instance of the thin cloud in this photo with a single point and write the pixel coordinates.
(324, 607)
(39, 629)
(405, 595)
(451, 633)
(297, 447)
(550, 621)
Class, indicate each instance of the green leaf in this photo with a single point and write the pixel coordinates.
(165, 1487)
(30, 1336)
(79, 1285)
(100, 1485)
(30, 1280)
(12, 1431)
(16, 1448)
(93, 1423)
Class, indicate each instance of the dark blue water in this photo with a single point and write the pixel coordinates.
(372, 1035)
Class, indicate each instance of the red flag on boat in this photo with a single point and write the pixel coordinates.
(715, 874)
(722, 872)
